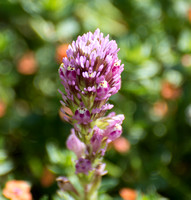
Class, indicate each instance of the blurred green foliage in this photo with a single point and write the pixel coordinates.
(155, 41)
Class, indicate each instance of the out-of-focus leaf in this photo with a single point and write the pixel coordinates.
(105, 197)
(44, 198)
(113, 169)
(5, 167)
(185, 40)
(67, 29)
(93, 17)
(45, 29)
(108, 184)
(147, 70)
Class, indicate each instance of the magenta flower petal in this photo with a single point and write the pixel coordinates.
(96, 139)
(82, 115)
(114, 129)
(75, 145)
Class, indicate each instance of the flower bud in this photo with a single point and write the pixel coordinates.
(96, 139)
(90, 74)
(75, 145)
(65, 185)
(83, 166)
(100, 169)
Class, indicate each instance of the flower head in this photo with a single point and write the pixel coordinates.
(121, 144)
(61, 52)
(90, 74)
(128, 194)
(2, 108)
(27, 65)
(17, 190)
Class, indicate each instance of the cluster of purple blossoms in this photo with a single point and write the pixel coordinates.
(90, 74)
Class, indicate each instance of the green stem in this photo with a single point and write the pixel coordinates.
(86, 192)
(90, 190)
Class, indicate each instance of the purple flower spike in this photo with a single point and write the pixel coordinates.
(82, 115)
(83, 166)
(91, 72)
(75, 145)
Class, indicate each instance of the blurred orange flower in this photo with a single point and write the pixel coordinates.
(17, 190)
(189, 15)
(186, 60)
(27, 64)
(47, 178)
(160, 108)
(61, 52)
(2, 109)
(170, 91)
(128, 194)
(121, 145)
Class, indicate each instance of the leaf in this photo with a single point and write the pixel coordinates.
(5, 167)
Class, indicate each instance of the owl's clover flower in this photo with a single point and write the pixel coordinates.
(90, 74)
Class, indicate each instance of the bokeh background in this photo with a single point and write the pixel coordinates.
(154, 37)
